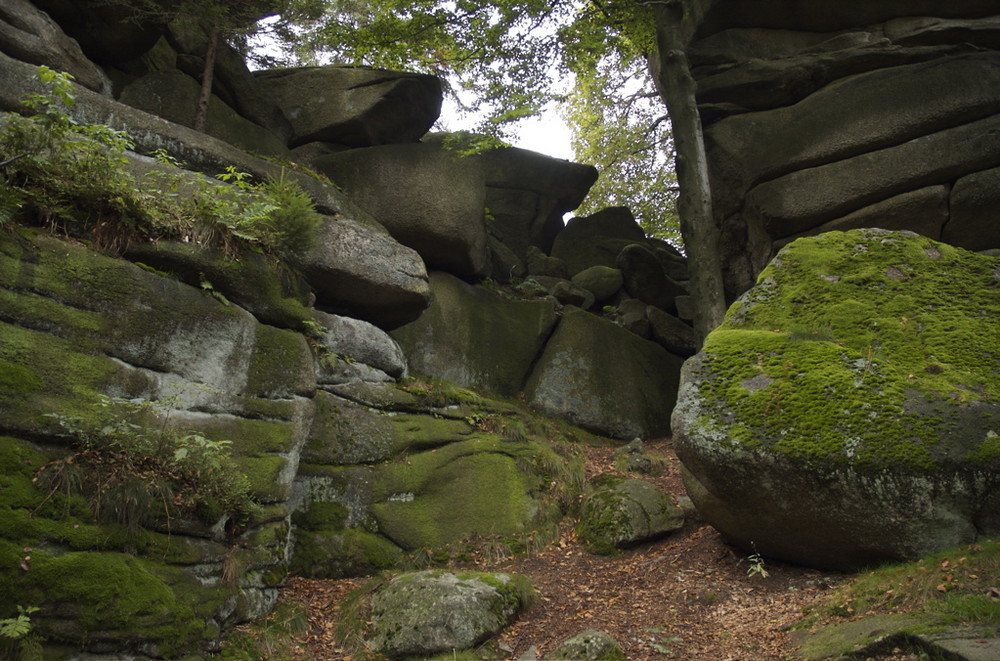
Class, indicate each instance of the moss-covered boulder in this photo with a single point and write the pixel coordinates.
(620, 512)
(623, 393)
(847, 410)
(475, 337)
(433, 612)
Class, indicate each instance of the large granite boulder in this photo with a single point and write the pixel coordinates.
(361, 342)
(355, 265)
(429, 198)
(846, 412)
(107, 32)
(623, 393)
(597, 239)
(819, 121)
(354, 106)
(474, 337)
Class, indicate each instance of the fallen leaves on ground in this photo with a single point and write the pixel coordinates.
(684, 597)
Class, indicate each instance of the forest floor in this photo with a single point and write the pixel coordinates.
(689, 596)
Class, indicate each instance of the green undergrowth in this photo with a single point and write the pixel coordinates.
(861, 348)
(954, 587)
(271, 638)
(74, 178)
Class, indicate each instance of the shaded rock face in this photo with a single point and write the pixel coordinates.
(846, 412)
(473, 337)
(429, 199)
(77, 325)
(622, 394)
(32, 36)
(820, 121)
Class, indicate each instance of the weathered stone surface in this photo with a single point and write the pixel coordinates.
(797, 201)
(107, 33)
(671, 333)
(538, 263)
(568, 293)
(31, 36)
(589, 645)
(856, 115)
(630, 314)
(273, 294)
(623, 394)
(529, 193)
(601, 281)
(355, 106)
(362, 342)
(620, 512)
(644, 278)
(974, 222)
(78, 325)
(344, 433)
(357, 266)
(924, 211)
(428, 198)
(758, 84)
(597, 239)
(470, 487)
(929, 30)
(846, 412)
(434, 612)
(473, 337)
(173, 95)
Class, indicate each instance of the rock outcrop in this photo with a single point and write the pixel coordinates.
(846, 412)
(825, 120)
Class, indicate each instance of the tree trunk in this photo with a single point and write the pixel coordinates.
(698, 228)
(207, 78)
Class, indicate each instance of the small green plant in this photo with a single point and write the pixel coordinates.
(756, 565)
(74, 179)
(270, 638)
(16, 638)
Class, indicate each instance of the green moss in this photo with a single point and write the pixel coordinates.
(466, 488)
(342, 553)
(263, 472)
(870, 332)
(57, 377)
(83, 593)
(925, 596)
(321, 516)
(281, 365)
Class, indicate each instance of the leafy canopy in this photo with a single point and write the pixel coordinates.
(504, 61)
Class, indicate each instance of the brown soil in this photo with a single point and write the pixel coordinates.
(688, 596)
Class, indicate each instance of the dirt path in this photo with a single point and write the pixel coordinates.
(685, 597)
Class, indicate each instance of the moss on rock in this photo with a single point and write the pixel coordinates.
(846, 411)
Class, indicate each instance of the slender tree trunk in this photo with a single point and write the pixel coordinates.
(207, 78)
(698, 228)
